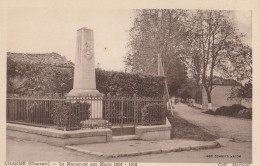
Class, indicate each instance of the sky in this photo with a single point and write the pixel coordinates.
(45, 30)
(243, 20)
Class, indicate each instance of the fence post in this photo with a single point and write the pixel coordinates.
(164, 111)
(122, 112)
(135, 111)
(107, 108)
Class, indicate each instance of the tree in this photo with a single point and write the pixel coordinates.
(240, 58)
(177, 77)
(213, 38)
(158, 33)
(241, 68)
(207, 43)
(243, 91)
(188, 89)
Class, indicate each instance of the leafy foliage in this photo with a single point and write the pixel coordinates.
(26, 77)
(216, 47)
(204, 43)
(176, 77)
(153, 114)
(241, 59)
(243, 91)
(69, 115)
(235, 110)
(189, 89)
(128, 84)
(158, 33)
(155, 32)
(229, 110)
(66, 115)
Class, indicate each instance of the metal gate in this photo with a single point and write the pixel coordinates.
(129, 111)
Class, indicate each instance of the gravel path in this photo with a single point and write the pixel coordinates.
(225, 127)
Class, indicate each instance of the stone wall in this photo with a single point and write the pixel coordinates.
(58, 137)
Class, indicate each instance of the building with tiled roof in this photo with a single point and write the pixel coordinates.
(220, 94)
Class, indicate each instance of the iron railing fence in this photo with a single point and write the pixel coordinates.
(88, 112)
(134, 110)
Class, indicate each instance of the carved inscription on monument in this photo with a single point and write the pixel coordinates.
(88, 49)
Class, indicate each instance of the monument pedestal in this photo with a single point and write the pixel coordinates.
(93, 97)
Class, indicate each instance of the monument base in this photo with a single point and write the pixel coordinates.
(93, 97)
(80, 92)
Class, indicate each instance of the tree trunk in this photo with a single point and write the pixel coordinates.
(209, 101)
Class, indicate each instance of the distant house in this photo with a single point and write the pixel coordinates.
(220, 94)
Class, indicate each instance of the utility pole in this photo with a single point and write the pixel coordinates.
(161, 73)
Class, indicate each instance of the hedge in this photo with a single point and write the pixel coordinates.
(128, 84)
(53, 79)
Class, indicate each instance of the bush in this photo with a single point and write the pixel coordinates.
(115, 110)
(244, 113)
(229, 110)
(69, 115)
(235, 110)
(153, 114)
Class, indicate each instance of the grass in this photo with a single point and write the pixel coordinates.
(182, 129)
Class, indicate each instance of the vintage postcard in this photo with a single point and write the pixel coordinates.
(128, 84)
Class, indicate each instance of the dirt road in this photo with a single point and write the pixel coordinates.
(224, 127)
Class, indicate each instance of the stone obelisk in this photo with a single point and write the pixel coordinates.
(84, 72)
(84, 83)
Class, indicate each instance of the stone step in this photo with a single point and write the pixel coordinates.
(125, 137)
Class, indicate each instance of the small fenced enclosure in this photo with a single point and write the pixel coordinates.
(88, 112)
